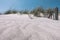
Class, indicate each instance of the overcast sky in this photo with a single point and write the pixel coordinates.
(27, 4)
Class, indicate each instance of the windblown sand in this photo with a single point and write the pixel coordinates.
(22, 27)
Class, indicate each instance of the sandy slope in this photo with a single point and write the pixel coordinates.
(21, 27)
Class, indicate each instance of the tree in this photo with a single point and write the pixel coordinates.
(11, 12)
(14, 11)
(25, 12)
(37, 11)
(49, 11)
(8, 12)
(56, 13)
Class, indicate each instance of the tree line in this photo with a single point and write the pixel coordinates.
(49, 13)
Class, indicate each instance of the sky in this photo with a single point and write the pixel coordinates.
(27, 4)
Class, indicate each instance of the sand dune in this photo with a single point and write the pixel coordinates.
(21, 27)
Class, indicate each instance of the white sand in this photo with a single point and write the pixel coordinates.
(21, 27)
